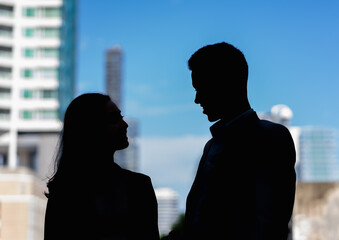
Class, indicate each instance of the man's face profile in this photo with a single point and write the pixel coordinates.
(208, 94)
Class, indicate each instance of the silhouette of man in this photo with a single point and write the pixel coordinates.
(245, 184)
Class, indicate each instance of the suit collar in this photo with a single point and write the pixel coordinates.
(222, 126)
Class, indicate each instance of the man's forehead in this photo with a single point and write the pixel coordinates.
(204, 78)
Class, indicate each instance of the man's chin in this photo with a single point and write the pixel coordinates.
(212, 118)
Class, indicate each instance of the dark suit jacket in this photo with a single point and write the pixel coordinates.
(124, 207)
(248, 193)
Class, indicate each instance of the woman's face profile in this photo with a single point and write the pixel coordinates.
(116, 127)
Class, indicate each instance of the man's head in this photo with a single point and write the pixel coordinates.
(219, 76)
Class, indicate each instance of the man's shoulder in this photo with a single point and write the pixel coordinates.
(276, 137)
(272, 128)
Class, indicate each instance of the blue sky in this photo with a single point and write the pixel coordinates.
(292, 48)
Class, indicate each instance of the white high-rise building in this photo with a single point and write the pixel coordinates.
(37, 74)
(316, 147)
(318, 156)
(168, 212)
(37, 79)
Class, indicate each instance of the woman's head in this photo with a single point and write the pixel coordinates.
(93, 130)
(89, 122)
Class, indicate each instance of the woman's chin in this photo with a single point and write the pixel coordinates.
(123, 145)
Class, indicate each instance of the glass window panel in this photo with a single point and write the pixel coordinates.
(5, 93)
(29, 12)
(29, 52)
(4, 114)
(28, 73)
(29, 32)
(48, 73)
(27, 114)
(28, 93)
(50, 32)
(5, 52)
(5, 72)
(50, 52)
(49, 94)
(6, 11)
(49, 114)
(51, 12)
(6, 31)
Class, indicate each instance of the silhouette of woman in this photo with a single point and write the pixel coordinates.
(90, 196)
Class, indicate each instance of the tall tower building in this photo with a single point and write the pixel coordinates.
(114, 74)
(37, 75)
(127, 158)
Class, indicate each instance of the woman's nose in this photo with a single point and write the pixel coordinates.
(197, 98)
(125, 124)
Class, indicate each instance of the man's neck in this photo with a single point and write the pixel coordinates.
(231, 114)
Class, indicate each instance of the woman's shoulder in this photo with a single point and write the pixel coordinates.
(132, 175)
(136, 176)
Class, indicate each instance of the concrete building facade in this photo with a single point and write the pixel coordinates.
(37, 75)
(22, 205)
(37, 80)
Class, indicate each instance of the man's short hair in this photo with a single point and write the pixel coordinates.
(220, 59)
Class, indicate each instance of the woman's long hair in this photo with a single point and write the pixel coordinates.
(81, 141)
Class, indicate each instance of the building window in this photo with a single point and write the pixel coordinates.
(29, 12)
(4, 114)
(27, 73)
(29, 32)
(6, 31)
(5, 72)
(50, 12)
(6, 10)
(5, 93)
(50, 52)
(26, 114)
(27, 93)
(29, 52)
(49, 94)
(48, 73)
(50, 32)
(5, 52)
(48, 114)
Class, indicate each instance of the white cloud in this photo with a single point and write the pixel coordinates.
(172, 162)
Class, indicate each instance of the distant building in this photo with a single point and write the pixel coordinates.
(168, 212)
(37, 76)
(316, 147)
(316, 211)
(114, 74)
(22, 205)
(318, 159)
(37, 80)
(127, 158)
